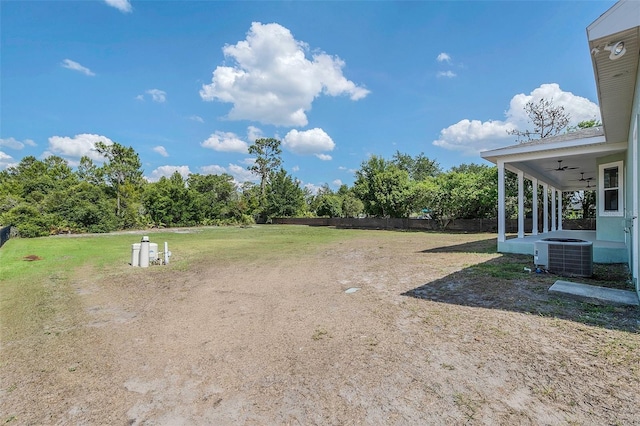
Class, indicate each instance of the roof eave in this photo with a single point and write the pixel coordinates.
(495, 154)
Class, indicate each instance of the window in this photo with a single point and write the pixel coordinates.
(610, 185)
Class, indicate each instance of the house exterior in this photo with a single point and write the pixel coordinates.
(605, 158)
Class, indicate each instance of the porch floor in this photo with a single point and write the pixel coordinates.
(603, 251)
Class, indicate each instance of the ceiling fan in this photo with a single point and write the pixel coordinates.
(562, 168)
(582, 178)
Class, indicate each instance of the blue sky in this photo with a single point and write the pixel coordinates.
(190, 84)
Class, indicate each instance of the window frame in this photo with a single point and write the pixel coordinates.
(620, 188)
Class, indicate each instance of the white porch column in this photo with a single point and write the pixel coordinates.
(545, 207)
(501, 202)
(534, 214)
(559, 210)
(520, 204)
(553, 209)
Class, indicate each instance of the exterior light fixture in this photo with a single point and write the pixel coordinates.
(617, 50)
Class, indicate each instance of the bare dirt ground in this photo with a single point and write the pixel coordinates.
(436, 334)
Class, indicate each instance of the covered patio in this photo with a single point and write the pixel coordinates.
(564, 163)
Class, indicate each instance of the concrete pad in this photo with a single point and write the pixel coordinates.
(594, 293)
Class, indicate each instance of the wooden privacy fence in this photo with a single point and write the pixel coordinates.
(453, 225)
(5, 234)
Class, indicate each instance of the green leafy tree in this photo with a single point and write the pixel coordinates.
(585, 199)
(267, 160)
(123, 173)
(284, 196)
(586, 124)
(33, 179)
(10, 192)
(468, 194)
(169, 202)
(352, 206)
(329, 205)
(383, 188)
(419, 168)
(248, 201)
(83, 207)
(215, 196)
(29, 220)
(87, 171)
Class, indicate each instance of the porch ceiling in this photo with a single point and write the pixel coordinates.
(581, 172)
(567, 162)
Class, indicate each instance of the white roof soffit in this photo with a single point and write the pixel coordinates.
(616, 74)
(538, 150)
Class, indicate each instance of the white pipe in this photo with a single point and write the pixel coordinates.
(166, 253)
(144, 252)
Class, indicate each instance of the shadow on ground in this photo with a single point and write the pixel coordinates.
(481, 246)
(504, 283)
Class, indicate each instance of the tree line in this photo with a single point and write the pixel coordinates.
(44, 197)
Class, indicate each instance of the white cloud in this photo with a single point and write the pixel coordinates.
(472, 136)
(140, 98)
(578, 108)
(225, 142)
(295, 169)
(324, 157)
(161, 150)
(16, 144)
(337, 183)
(76, 147)
(444, 57)
(122, 5)
(196, 118)
(213, 169)
(253, 133)
(313, 189)
(308, 142)
(272, 81)
(6, 161)
(167, 171)
(447, 74)
(240, 174)
(157, 95)
(72, 65)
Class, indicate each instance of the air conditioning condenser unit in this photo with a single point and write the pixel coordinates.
(564, 256)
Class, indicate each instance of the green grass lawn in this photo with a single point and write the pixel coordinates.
(32, 291)
(61, 255)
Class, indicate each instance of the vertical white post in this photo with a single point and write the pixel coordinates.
(166, 253)
(501, 203)
(553, 209)
(545, 207)
(144, 252)
(520, 204)
(534, 214)
(559, 210)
